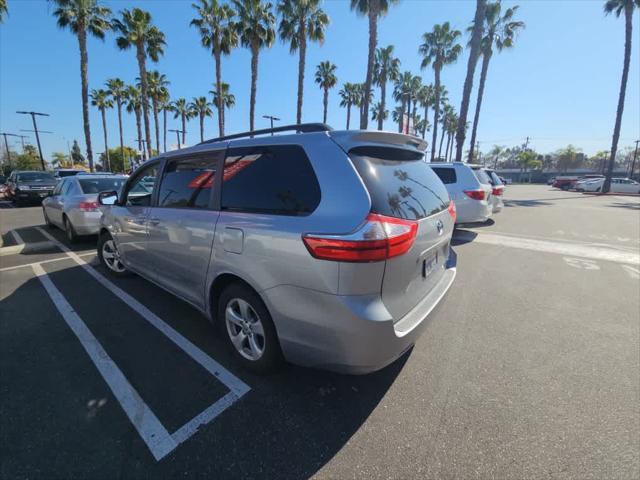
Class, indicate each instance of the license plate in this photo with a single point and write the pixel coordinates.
(429, 265)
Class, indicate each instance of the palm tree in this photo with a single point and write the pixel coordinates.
(425, 98)
(377, 113)
(301, 20)
(386, 68)
(255, 29)
(439, 48)
(447, 112)
(326, 79)
(117, 90)
(201, 108)
(397, 114)
(359, 97)
(3, 10)
(136, 29)
(450, 127)
(348, 99)
(227, 100)
(134, 105)
(164, 105)
(499, 30)
(218, 33)
(617, 7)
(157, 84)
(474, 54)
(100, 98)
(402, 93)
(82, 17)
(181, 109)
(373, 9)
(414, 90)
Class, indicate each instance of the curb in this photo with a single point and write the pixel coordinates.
(26, 248)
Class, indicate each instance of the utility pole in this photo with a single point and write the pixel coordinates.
(35, 129)
(271, 118)
(526, 144)
(177, 135)
(6, 144)
(633, 163)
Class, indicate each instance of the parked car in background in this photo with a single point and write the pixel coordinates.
(564, 182)
(73, 204)
(330, 248)
(60, 173)
(26, 186)
(497, 193)
(551, 181)
(618, 185)
(469, 187)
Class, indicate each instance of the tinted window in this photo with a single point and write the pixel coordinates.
(447, 175)
(400, 183)
(187, 183)
(35, 177)
(481, 175)
(97, 185)
(494, 178)
(141, 188)
(277, 180)
(67, 173)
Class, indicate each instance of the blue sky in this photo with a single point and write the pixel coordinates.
(559, 85)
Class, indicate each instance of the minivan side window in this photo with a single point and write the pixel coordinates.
(276, 180)
(186, 183)
(446, 174)
(141, 189)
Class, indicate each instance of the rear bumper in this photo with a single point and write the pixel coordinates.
(85, 223)
(473, 211)
(349, 334)
(497, 204)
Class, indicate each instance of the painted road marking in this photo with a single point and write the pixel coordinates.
(236, 386)
(634, 273)
(5, 269)
(563, 248)
(581, 263)
(159, 441)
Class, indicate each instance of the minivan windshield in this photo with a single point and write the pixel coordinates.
(400, 182)
(35, 177)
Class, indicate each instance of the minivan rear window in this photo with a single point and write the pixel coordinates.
(446, 174)
(400, 182)
(494, 178)
(482, 176)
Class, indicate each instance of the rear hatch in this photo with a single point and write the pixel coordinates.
(401, 185)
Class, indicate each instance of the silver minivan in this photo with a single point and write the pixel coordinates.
(326, 248)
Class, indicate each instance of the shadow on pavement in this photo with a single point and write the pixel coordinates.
(461, 237)
(627, 205)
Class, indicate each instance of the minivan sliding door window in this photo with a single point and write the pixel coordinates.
(187, 183)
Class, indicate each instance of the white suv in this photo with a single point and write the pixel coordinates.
(469, 187)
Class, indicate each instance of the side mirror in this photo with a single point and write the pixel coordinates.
(108, 198)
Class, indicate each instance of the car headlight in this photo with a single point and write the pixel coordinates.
(24, 187)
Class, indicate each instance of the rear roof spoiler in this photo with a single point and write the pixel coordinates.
(349, 139)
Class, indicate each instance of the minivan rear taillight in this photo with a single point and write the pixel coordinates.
(379, 238)
(475, 194)
(498, 191)
(452, 211)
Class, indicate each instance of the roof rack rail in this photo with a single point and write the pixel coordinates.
(298, 128)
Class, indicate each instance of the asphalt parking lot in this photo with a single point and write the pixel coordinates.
(531, 368)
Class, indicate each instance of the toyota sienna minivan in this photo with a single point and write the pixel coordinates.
(325, 248)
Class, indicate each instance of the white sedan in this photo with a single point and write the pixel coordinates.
(618, 185)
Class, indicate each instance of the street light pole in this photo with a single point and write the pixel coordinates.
(35, 128)
(177, 135)
(6, 144)
(271, 118)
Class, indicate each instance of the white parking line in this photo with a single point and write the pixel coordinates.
(634, 273)
(51, 260)
(159, 441)
(563, 248)
(236, 386)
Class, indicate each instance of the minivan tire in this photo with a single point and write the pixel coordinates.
(271, 357)
(103, 239)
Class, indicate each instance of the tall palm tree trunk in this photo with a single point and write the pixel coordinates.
(302, 51)
(436, 113)
(218, 58)
(474, 54)
(156, 123)
(383, 102)
(348, 115)
(164, 128)
(119, 105)
(408, 116)
(139, 127)
(374, 9)
(254, 83)
(84, 62)
(184, 128)
(628, 30)
(426, 121)
(325, 104)
(483, 78)
(107, 167)
(441, 141)
(401, 116)
(451, 151)
(446, 150)
(202, 127)
(142, 67)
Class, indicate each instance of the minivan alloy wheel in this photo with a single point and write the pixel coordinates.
(111, 256)
(245, 329)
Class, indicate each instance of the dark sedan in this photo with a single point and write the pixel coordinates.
(30, 187)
